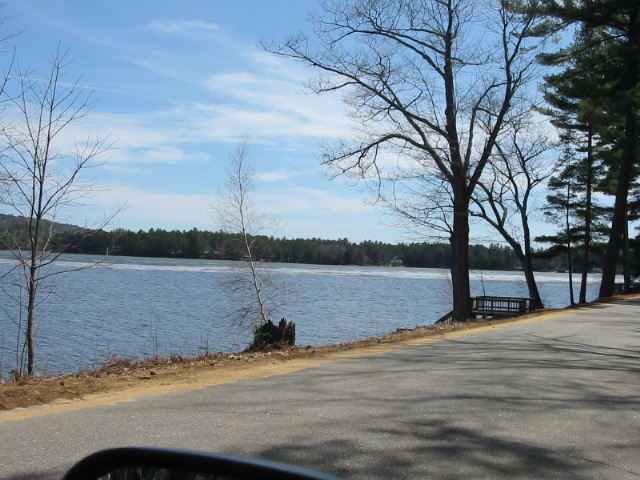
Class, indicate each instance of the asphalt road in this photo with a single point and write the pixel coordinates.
(558, 398)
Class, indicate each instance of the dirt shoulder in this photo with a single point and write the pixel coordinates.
(123, 380)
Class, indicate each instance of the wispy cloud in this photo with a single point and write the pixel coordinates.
(179, 26)
(270, 111)
(146, 209)
(302, 212)
(312, 201)
(224, 89)
(170, 156)
(281, 92)
(276, 176)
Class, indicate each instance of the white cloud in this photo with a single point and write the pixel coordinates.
(178, 26)
(275, 176)
(171, 135)
(316, 209)
(282, 92)
(165, 155)
(144, 209)
(252, 92)
(365, 228)
(225, 121)
(301, 212)
(313, 202)
(137, 130)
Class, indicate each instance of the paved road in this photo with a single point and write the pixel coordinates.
(558, 398)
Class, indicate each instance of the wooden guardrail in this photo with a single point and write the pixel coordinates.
(486, 306)
(501, 306)
(446, 319)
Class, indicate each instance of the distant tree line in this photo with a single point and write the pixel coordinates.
(221, 245)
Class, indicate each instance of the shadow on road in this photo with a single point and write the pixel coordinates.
(438, 450)
(538, 406)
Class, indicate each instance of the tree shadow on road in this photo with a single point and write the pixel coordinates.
(468, 423)
(434, 450)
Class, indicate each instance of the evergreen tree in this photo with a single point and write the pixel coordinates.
(613, 28)
(569, 205)
(576, 99)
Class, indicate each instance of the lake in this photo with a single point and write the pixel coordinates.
(139, 307)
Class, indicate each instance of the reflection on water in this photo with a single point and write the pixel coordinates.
(138, 307)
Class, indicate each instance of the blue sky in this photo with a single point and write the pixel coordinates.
(177, 85)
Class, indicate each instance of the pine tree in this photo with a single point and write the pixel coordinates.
(612, 27)
(570, 206)
(576, 97)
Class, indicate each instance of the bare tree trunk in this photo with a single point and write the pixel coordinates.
(512, 177)
(255, 279)
(256, 295)
(460, 267)
(572, 299)
(526, 262)
(41, 177)
(527, 265)
(30, 334)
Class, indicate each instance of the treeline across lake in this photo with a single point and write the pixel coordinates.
(224, 246)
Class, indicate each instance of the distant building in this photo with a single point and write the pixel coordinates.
(395, 262)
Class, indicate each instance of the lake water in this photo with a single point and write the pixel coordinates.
(139, 307)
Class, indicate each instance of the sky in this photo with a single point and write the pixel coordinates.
(176, 86)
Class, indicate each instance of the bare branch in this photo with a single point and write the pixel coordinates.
(431, 83)
(41, 178)
(256, 295)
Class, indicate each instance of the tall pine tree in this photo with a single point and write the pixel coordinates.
(576, 97)
(612, 27)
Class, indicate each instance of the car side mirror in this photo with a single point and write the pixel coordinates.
(164, 464)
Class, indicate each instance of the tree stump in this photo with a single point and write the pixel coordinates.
(269, 335)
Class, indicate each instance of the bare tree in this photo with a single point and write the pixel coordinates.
(430, 82)
(505, 195)
(42, 178)
(254, 293)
